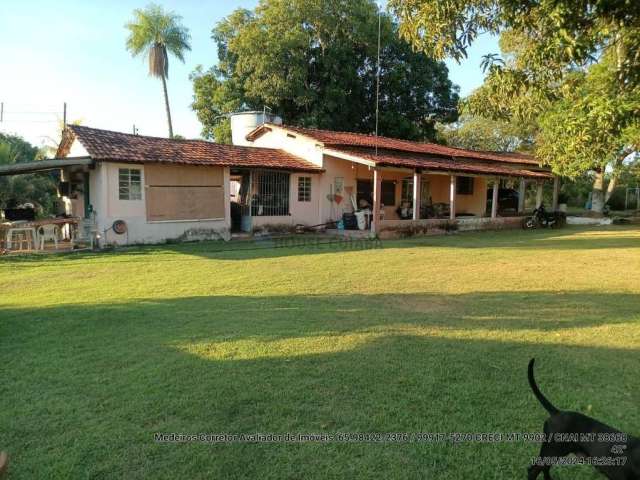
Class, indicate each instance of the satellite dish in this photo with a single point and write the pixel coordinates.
(119, 227)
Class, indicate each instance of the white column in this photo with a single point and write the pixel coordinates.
(539, 194)
(452, 198)
(522, 192)
(417, 178)
(556, 193)
(377, 194)
(494, 198)
(227, 196)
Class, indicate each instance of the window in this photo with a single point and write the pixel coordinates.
(270, 193)
(464, 186)
(304, 189)
(129, 184)
(388, 193)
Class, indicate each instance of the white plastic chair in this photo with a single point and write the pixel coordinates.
(48, 233)
(86, 232)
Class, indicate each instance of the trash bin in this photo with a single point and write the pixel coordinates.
(361, 220)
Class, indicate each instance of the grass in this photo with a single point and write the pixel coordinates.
(100, 351)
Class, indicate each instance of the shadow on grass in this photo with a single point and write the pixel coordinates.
(239, 317)
(273, 247)
(85, 387)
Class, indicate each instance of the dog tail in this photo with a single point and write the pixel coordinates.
(548, 406)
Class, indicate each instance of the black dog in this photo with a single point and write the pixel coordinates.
(613, 453)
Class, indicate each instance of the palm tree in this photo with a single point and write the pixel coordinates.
(154, 33)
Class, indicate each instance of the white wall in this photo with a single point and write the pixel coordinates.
(77, 150)
(109, 208)
(349, 172)
(305, 213)
(299, 146)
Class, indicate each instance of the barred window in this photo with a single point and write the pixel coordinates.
(129, 184)
(304, 189)
(270, 193)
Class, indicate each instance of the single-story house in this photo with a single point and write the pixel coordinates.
(274, 174)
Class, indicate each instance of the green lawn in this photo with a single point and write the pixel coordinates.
(100, 351)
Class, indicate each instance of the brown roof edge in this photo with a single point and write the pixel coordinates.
(233, 165)
(258, 132)
(110, 146)
(340, 138)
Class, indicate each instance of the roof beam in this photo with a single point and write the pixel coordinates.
(346, 156)
(43, 165)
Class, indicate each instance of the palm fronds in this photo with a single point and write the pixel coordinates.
(154, 33)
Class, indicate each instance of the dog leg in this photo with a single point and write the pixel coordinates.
(548, 449)
(535, 470)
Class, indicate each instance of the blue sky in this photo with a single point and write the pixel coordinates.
(73, 51)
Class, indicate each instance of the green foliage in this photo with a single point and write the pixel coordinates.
(154, 33)
(37, 188)
(591, 125)
(575, 192)
(314, 63)
(569, 72)
(565, 32)
(479, 133)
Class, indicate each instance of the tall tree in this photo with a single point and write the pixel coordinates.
(314, 62)
(571, 70)
(479, 133)
(154, 34)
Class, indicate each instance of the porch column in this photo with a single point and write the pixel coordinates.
(522, 192)
(86, 197)
(452, 198)
(556, 193)
(539, 194)
(377, 194)
(494, 198)
(417, 178)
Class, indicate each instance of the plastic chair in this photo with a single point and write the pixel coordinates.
(86, 232)
(22, 240)
(48, 233)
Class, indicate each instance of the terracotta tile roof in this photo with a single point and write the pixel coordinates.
(106, 145)
(331, 138)
(438, 162)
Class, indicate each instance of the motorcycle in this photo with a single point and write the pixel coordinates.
(543, 219)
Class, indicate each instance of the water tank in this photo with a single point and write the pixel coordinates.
(242, 123)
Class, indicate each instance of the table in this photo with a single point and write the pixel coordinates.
(33, 226)
(31, 230)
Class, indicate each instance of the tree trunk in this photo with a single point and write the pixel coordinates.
(597, 195)
(611, 187)
(613, 183)
(166, 104)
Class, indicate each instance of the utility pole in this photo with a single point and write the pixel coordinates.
(135, 130)
(64, 116)
(378, 80)
(1, 111)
